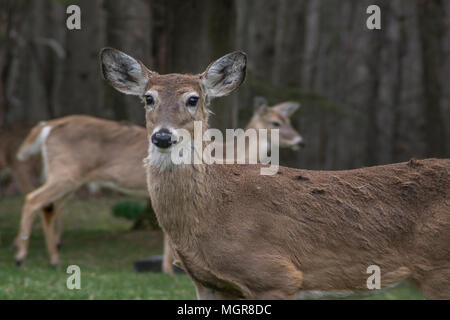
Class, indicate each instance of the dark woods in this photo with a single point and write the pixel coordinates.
(368, 96)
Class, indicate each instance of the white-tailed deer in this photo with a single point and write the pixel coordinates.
(276, 117)
(25, 174)
(77, 150)
(240, 234)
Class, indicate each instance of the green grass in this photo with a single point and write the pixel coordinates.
(101, 245)
(406, 290)
(104, 248)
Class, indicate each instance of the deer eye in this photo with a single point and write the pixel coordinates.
(149, 100)
(276, 124)
(192, 101)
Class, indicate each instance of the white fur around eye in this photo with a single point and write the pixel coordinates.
(152, 106)
(186, 96)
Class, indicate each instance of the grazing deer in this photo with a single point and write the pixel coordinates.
(240, 234)
(27, 174)
(77, 150)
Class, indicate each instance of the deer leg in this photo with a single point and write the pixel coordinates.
(52, 219)
(59, 226)
(24, 179)
(59, 212)
(167, 266)
(23, 237)
(45, 210)
(34, 201)
(48, 219)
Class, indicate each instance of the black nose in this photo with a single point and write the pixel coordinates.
(162, 139)
(302, 144)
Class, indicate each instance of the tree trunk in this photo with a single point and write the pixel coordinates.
(396, 149)
(432, 23)
(128, 28)
(374, 64)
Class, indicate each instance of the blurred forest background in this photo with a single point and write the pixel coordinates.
(368, 96)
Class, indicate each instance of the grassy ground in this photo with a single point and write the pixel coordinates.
(101, 245)
(104, 248)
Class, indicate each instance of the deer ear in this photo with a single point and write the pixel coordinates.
(260, 104)
(225, 74)
(123, 72)
(287, 108)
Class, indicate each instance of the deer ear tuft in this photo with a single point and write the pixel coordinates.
(260, 104)
(287, 108)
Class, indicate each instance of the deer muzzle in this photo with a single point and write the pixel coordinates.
(163, 139)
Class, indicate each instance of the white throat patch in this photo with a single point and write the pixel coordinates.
(158, 159)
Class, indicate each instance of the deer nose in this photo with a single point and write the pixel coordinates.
(162, 139)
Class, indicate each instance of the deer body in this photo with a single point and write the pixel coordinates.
(77, 150)
(96, 149)
(320, 232)
(239, 234)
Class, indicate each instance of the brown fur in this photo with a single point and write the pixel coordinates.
(262, 118)
(26, 174)
(78, 150)
(320, 231)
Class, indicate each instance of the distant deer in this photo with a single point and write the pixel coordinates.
(77, 150)
(25, 174)
(240, 234)
(276, 117)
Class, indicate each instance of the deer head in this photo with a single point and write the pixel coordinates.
(277, 117)
(172, 101)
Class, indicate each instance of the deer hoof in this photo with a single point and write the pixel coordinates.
(19, 262)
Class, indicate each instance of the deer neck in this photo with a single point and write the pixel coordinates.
(181, 199)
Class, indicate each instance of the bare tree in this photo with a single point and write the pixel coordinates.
(432, 22)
